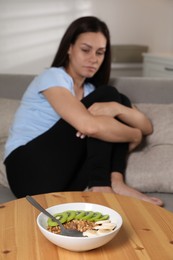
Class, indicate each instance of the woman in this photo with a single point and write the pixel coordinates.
(72, 131)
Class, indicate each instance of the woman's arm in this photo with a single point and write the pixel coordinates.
(130, 116)
(135, 118)
(98, 126)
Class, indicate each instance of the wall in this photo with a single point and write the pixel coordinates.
(30, 30)
(147, 22)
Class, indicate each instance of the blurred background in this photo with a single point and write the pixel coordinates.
(30, 30)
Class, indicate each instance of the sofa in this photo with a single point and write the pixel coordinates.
(150, 166)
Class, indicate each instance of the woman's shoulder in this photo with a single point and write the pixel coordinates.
(48, 78)
(54, 72)
(53, 77)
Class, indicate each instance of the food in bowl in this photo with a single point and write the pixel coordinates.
(80, 244)
(90, 223)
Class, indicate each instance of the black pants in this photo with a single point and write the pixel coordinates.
(59, 161)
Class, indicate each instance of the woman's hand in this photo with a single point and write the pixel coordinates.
(104, 109)
(136, 143)
(98, 109)
(135, 118)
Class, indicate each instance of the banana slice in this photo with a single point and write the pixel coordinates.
(109, 226)
(102, 222)
(103, 231)
(90, 233)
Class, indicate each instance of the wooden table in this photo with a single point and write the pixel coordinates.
(147, 231)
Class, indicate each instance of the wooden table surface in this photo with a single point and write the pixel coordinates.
(146, 233)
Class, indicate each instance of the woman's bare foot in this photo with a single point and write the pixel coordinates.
(119, 187)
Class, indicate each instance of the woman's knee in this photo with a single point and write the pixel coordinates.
(108, 93)
(125, 101)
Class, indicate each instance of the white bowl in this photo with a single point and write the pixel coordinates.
(79, 243)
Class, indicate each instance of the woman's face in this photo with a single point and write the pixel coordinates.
(86, 55)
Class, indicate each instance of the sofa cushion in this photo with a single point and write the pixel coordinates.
(3, 178)
(150, 167)
(7, 111)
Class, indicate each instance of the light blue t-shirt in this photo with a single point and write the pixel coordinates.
(35, 115)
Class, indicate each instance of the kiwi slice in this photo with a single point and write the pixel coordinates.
(61, 216)
(80, 214)
(96, 216)
(88, 215)
(71, 215)
(104, 217)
